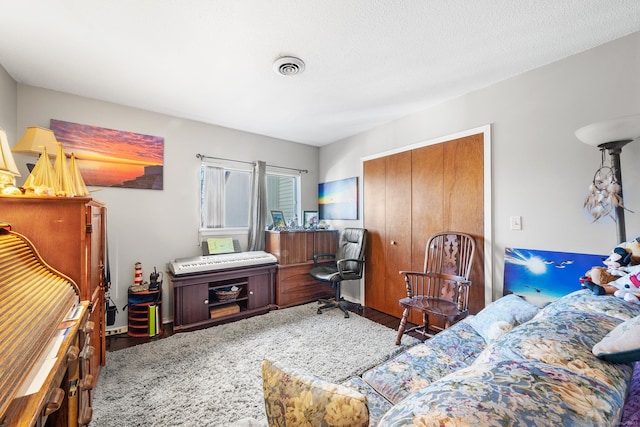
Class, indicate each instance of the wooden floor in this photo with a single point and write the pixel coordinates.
(117, 342)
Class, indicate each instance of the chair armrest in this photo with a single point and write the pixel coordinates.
(317, 257)
(301, 399)
(420, 283)
(450, 277)
(341, 270)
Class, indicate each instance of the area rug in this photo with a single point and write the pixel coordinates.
(212, 377)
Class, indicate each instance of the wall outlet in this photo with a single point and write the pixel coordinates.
(515, 222)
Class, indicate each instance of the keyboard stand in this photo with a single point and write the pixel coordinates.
(200, 299)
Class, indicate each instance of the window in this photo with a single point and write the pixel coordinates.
(225, 195)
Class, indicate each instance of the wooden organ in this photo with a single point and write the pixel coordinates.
(44, 341)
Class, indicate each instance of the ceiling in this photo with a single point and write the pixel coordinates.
(368, 62)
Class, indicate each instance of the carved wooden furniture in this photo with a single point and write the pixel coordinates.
(347, 264)
(45, 338)
(294, 251)
(69, 233)
(199, 302)
(441, 289)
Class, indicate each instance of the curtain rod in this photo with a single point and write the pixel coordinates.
(202, 157)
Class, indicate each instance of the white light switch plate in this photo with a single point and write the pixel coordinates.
(515, 222)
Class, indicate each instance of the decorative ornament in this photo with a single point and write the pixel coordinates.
(604, 193)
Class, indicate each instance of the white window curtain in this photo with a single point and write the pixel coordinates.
(258, 210)
(213, 206)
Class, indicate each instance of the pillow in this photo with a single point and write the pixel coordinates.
(622, 344)
(502, 315)
(293, 399)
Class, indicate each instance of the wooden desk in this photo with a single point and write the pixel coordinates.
(294, 251)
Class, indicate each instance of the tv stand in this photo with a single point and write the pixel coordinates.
(201, 300)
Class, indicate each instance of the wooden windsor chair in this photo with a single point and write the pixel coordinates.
(441, 291)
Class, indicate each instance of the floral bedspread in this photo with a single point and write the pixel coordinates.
(510, 365)
(540, 373)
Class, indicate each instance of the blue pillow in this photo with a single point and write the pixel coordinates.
(502, 315)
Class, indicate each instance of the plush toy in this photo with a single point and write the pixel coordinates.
(619, 258)
(633, 248)
(628, 286)
(599, 279)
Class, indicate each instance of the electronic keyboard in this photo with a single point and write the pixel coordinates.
(206, 263)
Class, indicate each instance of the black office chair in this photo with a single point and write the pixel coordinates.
(348, 265)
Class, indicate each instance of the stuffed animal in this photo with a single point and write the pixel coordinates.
(628, 286)
(633, 248)
(598, 278)
(619, 258)
(618, 264)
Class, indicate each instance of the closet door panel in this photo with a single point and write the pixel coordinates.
(398, 229)
(464, 202)
(374, 221)
(427, 209)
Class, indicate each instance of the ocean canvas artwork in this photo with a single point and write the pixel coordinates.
(541, 277)
(113, 158)
(338, 199)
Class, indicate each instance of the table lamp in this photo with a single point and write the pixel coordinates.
(34, 139)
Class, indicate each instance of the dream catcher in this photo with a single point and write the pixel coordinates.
(604, 193)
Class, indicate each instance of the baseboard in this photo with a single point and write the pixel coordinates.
(116, 330)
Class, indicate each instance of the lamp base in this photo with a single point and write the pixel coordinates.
(8, 184)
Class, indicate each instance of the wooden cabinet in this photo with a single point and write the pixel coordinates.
(294, 251)
(207, 299)
(69, 234)
(407, 197)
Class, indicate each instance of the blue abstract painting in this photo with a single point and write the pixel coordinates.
(541, 277)
(338, 199)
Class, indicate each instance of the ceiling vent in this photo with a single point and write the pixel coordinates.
(288, 66)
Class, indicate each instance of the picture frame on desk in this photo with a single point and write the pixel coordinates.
(310, 219)
(278, 219)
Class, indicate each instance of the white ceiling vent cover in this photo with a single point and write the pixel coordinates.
(288, 66)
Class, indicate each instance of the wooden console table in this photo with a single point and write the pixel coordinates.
(198, 301)
(294, 251)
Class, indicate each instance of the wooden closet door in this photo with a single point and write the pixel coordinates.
(464, 203)
(408, 197)
(398, 229)
(427, 204)
(374, 205)
(387, 206)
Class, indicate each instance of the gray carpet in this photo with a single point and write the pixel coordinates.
(211, 377)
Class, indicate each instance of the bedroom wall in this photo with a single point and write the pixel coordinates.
(151, 226)
(8, 100)
(540, 170)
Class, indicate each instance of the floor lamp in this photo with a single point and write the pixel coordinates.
(612, 135)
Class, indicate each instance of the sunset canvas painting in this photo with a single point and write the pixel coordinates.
(113, 158)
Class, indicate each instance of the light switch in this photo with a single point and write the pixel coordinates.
(516, 222)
